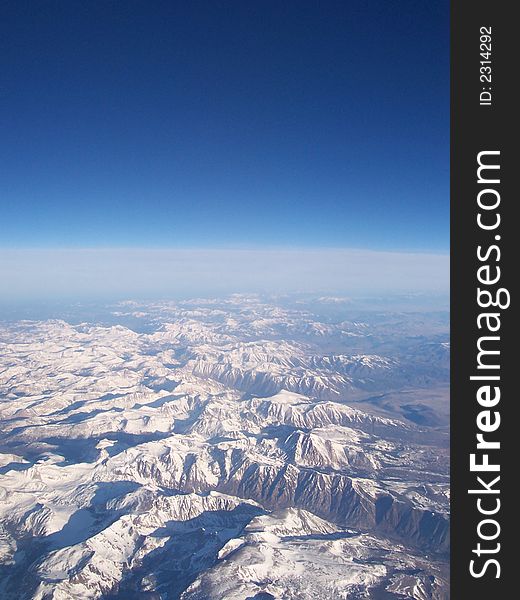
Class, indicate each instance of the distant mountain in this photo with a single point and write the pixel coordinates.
(225, 449)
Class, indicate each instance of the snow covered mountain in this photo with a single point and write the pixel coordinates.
(225, 449)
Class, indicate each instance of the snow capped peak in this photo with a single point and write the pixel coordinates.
(224, 449)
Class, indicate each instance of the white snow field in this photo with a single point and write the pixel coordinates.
(226, 449)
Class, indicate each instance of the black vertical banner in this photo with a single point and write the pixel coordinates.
(484, 265)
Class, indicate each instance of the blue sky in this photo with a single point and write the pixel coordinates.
(225, 124)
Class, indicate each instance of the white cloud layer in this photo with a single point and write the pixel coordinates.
(146, 273)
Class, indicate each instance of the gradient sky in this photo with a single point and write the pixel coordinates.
(225, 124)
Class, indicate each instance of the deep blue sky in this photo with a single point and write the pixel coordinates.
(239, 123)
